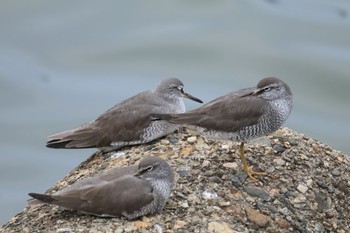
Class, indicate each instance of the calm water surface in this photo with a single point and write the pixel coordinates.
(64, 64)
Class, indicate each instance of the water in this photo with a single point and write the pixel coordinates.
(64, 64)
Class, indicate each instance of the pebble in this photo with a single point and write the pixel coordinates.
(209, 195)
(319, 228)
(192, 139)
(279, 148)
(158, 229)
(205, 163)
(224, 203)
(179, 224)
(173, 140)
(119, 230)
(321, 184)
(255, 217)
(239, 178)
(256, 192)
(185, 204)
(233, 165)
(279, 162)
(225, 146)
(302, 188)
(336, 172)
(219, 227)
(323, 201)
(283, 224)
(65, 230)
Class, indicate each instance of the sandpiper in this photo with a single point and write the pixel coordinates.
(128, 123)
(131, 192)
(240, 116)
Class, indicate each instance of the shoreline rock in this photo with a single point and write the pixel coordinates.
(307, 189)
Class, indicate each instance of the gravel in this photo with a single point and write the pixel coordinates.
(307, 189)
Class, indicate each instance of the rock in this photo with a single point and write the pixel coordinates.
(279, 162)
(336, 172)
(192, 139)
(256, 192)
(302, 188)
(233, 165)
(323, 201)
(257, 218)
(209, 195)
(307, 189)
(319, 228)
(186, 151)
(224, 203)
(141, 224)
(205, 163)
(239, 178)
(217, 227)
(283, 224)
(179, 224)
(279, 148)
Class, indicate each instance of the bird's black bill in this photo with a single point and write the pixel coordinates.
(188, 96)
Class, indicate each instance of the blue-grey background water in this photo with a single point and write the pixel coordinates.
(63, 63)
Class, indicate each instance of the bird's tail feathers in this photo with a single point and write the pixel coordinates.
(40, 199)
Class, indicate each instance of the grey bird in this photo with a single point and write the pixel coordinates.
(240, 116)
(128, 123)
(131, 191)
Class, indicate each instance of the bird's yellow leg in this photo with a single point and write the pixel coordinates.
(248, 170)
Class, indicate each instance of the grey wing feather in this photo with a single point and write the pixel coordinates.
(227, 113)
(111, 198)
(122, 123)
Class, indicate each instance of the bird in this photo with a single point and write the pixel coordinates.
(241, 115)
(128, 192)
(128, 122)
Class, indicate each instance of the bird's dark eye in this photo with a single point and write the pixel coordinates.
(267, 89)
(148, 169)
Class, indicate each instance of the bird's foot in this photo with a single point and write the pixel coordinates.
(251, 173)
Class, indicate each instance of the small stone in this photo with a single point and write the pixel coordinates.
(192, 139)
(255, 217)
(256, 192)
(279, 162)
(270, 169)
(224, 203)
(158, 229)
(65, 230)
(321, 184)
(319, 228)
(239, 178)
(283, 224)
(209, 195)
(186, 151)
(336, 172)
(185, 204)
(225, 146)
(119, 230)
(309, 182)
(302, 188)
(205, 163)
(231, 165)
(179, 224)
(300, 198)
(279, 148)
(141, 224)
(173, 140)
(323, 201)
(219, 227)
(293, 142)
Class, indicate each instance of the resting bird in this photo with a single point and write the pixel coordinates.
(131, 191)
(128, 123)
(240, 116)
